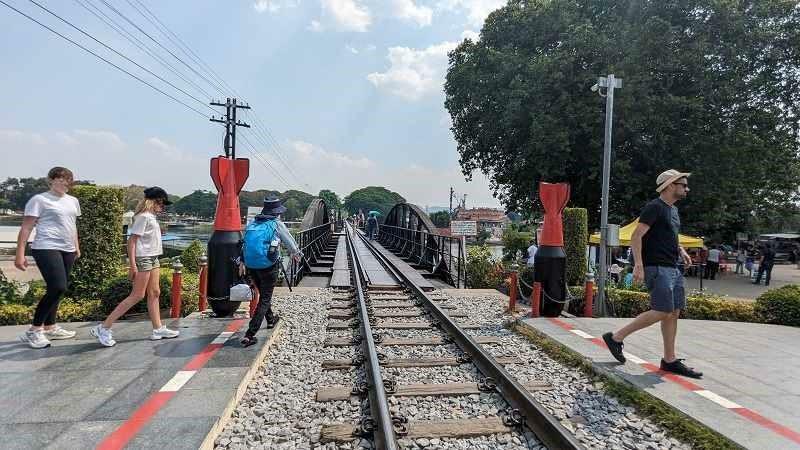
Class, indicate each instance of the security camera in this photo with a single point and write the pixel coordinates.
(595, 87)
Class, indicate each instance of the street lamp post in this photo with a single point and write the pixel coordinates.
(610, 83)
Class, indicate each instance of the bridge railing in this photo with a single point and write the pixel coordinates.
(443, 255)
(312, 243)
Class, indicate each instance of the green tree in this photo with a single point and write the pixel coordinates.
(372, 198)
(515, 243)
(331, 199)
(17, 191)
(198, 203)
(441, 219)
(710, 86)
(296, 203)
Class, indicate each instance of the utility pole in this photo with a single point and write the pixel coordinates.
(464, 202)
(229, 142)
(610, 83)
(451, 201)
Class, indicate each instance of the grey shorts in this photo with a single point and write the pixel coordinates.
(147, 263)
(665, 285)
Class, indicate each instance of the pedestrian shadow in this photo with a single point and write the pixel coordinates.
(639, 381)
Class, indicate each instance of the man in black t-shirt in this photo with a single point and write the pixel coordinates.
(659, 261)
(767, 261)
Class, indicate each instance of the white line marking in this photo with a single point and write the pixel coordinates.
(177, 381)
(634, 358)
(721, 401)
(582, 334)
(223, 337)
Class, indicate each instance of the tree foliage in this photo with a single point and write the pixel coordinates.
(441, 219)
(710, 86)
(372, 198)
(199, 203)
(576, 235)
(17, 191)
(331, 199)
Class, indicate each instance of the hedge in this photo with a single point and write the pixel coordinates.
(780, 306)
(191, 256)
(483, 271)
(120, 286)
(100, 233)
(69, 310)
(576, 235)
(699, 306)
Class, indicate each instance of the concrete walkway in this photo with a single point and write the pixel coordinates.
(749, 391)
(137, 394)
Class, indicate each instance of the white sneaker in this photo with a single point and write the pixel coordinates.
(164, 333)
(103, 335)
(57, 333)
(35, 339)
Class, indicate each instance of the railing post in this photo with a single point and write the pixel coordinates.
(588, 296)
(203, 300)
(536, 298)
(177, 281)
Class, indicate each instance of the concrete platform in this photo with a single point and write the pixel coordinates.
(749, 392)
(138, 394)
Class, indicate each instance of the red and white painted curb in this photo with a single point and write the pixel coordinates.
(120, 437)
(688, 385)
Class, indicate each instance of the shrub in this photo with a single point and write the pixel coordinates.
(9, 290)
(100, 232)
(483, 271)
(780, 306)
(576, 236)
(191, 257)
(70, 310)
(15, 314)
(36, 290)
(515, 242)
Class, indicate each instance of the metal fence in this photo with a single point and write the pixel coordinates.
(312, 243)
(442, 255)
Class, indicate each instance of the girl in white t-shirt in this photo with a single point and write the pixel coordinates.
(55, 248)
(144, 248)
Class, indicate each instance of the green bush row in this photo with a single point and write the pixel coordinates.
(69, 310)
(779, 306)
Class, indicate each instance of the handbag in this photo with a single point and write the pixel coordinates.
(241, 293)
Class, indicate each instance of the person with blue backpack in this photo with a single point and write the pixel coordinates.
(262, 259)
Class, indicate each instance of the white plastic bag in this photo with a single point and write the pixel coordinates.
(241, 293)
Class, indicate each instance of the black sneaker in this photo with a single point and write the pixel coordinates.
(247, 341)
(614, 347)
(680, 368)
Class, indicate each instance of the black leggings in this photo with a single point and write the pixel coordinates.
(264, 280)
(54, 266)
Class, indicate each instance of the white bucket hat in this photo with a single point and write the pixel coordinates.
(668, 177)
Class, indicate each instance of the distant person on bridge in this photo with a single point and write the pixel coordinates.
(144, 249)
(659, 262)
(531, 253)
(372, 226)
(55, 248)
(262, 260)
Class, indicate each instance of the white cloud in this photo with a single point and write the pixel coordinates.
(273, 6)
(477, 10)
(408, 10)
(19, 137)
(351, 49)
(324, 159)
(470, 34)
(315, 26)
(414, 73)
(347, 15)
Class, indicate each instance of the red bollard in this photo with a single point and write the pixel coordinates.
(177, 281)
(203, 300)
(254, 302)
(512, 292)
(536, 299)
(588, 296)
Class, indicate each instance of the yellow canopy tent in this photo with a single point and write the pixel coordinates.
(626, 232)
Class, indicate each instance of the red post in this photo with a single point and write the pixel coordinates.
(512, 292)
(536, 298)
(177, 281)
(203, 300)
(588, 296)
(254, 302)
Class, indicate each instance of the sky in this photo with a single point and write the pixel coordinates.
(347, 93)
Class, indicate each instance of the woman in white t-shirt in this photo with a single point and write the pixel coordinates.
(144, 248)
(55, 248)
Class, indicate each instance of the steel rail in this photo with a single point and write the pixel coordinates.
(383, 427)
(543, 424)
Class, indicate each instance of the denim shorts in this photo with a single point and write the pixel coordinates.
(665, 285)
(147, 263)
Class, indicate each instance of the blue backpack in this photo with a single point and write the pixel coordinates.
(257, 239)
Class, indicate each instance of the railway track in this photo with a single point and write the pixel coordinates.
(370, 308)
